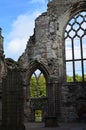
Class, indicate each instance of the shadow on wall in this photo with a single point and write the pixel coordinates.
(0, 110)
(81, 110)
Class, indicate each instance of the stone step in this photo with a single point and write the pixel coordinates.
(35, 125)
(41, 126)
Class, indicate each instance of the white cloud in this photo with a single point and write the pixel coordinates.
(22, 28)
(15, 47)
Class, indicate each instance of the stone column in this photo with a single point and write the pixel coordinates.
(51, 120)
(58, 100)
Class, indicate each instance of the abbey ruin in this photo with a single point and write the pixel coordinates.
(58, 50)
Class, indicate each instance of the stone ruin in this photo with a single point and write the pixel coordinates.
(58, 49)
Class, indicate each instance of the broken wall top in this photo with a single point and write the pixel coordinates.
(46, 43)
(58, 7)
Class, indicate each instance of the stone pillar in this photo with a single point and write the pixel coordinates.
(51, 120)
(12, 101)
(58, 101)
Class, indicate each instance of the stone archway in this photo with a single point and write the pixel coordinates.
(36, 103)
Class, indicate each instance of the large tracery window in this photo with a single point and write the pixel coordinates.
(75, 48)
(37, 84)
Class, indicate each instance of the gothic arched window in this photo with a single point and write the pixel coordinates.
(37, 84)
(75, 48)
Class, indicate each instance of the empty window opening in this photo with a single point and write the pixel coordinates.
(75, 48)
(37, 84)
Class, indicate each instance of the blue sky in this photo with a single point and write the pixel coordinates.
(17, 18)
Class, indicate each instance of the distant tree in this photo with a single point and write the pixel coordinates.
(42, 86)
(38, 87)
(33, 87)
(69, 78)
(78, 78)
(84, 77)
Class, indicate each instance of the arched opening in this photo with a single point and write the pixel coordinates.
(36, 105)
(37, 84)
(38, 94)
(75, 48)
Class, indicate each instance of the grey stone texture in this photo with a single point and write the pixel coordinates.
(12, 100)
(45, 50)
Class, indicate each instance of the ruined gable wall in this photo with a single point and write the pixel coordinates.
(47, 42)
(47, 48)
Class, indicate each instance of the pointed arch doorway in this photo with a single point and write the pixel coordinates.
(38, 94)
(36, 108)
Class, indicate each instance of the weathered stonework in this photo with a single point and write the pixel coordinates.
(2, 70)
(46, 48)
(45, 51)
(12, 100)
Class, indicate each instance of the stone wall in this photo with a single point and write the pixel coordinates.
(45, 51)
(46, 48)
(12, 100)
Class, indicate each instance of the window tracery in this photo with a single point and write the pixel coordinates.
(75, 48)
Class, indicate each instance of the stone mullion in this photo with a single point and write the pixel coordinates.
(51, 120)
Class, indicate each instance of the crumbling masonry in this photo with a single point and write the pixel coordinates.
(46, 50)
